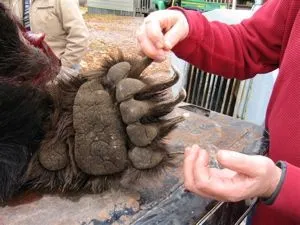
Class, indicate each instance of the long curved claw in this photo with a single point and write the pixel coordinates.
(139, 90)
(157, 86)
(165, 126)
(133, 110)
(167, 106)
(138, 67)
(144, 134)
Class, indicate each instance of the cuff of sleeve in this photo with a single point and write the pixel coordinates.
(269, 201)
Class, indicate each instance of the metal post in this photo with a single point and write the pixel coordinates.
(233, 4)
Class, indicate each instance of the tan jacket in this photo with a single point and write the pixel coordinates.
(62, 22)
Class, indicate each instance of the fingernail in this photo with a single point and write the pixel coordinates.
(194, 146)
(188, 150)
(168, 45)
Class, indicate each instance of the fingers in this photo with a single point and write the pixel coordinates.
(149, 48)
(151, 39)
(172, 36)
(260, 171)
(222, 173)
(220, 184)
(160, 32)
(251, 166)
(209, 181)
(154, 31)
(190, 157)
(201, 173)
(244, 176)
(192, 154)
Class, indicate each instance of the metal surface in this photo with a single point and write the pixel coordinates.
(214, 92)
(156, 199)
(208, 215)
(247, 212)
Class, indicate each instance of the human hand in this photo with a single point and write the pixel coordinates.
(243, 176)
(160, 32)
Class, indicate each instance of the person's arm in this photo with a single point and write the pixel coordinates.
(6, 3)
(287, 200)
(77, 32)
(243, 50)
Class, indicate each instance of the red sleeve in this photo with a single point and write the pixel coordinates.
(241, 50)
(288, 200)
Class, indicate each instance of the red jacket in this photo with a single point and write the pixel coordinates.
(268, 40)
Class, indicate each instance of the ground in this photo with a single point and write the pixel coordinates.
(108, 32)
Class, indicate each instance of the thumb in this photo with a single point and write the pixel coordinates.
(239, 162)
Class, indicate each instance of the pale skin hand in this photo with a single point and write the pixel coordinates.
(160, 32)
(244, 176)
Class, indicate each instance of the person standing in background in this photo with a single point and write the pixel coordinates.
(63, 25)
